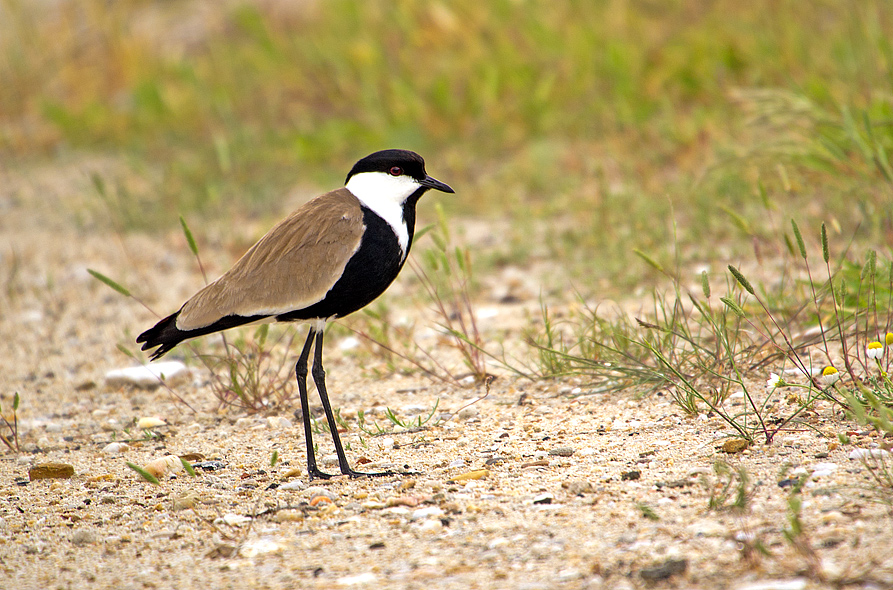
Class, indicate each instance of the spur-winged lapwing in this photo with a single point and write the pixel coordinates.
(330, 257)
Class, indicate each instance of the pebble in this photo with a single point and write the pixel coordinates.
(577, 487)
(545, 498)
(562, 452)
(314, 491)
(792, 584)
(115, 447)
(149, 422)
(861, 454)
(279, 423)
(296, 484)
(823, 469)
(83, 537)
(244, 423)
(164, 465)
(147, 376)
(234, 519)
(456, 463)
(423, 513)
(662, 571)
(51, 471)
(431, 526)
(468, 413)
(357, 580)
(478, 474)
(735, 445)
(261, 546)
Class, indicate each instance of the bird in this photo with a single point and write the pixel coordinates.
(329, 258)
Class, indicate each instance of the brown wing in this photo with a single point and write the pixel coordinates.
(292, 267)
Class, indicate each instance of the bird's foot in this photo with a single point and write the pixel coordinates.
(315, 473)
(355, 474)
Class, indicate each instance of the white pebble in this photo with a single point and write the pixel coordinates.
(279, 422)
(147, 376)
(860, 454)
(259, 547)
(115, 447)
(428, 512)
(792, 584)
(150, 422)
(431, 526)
(235, 519)
(357, 580)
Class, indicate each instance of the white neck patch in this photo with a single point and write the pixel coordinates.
(385, 195)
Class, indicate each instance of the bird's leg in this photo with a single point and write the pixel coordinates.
(301, 375)
(319, 377)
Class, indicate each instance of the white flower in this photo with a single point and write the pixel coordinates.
(774, 381)
(830, 375)
(875, 350)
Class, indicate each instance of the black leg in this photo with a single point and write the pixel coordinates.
(301, 374)
(319, 377)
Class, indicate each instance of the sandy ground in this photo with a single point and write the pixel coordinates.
(581, 490)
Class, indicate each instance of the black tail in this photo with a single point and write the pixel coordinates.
(166, 335)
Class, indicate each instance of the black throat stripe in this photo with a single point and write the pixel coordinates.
(370, 271)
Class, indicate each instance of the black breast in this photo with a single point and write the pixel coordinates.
(370, 271)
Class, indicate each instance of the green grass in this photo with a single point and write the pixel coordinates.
(588, 123)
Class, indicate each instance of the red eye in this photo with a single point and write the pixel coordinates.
(395, 171)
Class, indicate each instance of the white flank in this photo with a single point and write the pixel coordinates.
(385, 194)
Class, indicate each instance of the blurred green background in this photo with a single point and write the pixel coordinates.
(680, 128)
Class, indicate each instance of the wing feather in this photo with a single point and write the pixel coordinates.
(292, 267)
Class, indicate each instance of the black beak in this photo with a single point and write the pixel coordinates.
(429, 182)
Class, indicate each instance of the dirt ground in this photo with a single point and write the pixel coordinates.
(581, 489)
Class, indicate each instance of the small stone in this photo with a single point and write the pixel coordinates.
(150, 422)
(279, 423)
(83, 537)
(261, 546)
(823, 470)
(293, 485)
(357, 580)
(235, 519)
(148, 376)
(545, 498)
(735, 445)
(423, 513)
(562, 452)
(630, 475)
(51, 471)
(862, 454)
(478, 474)
(577, 487)
(431, 526)
(288, 515)
(244, 423)
(314, 491)
(164, 465)
(114, 448)
(792, 584)
(468, 413)
(455, 464)
(664, 570)
(184, 500)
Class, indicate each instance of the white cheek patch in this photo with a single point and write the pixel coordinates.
(385, 195)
